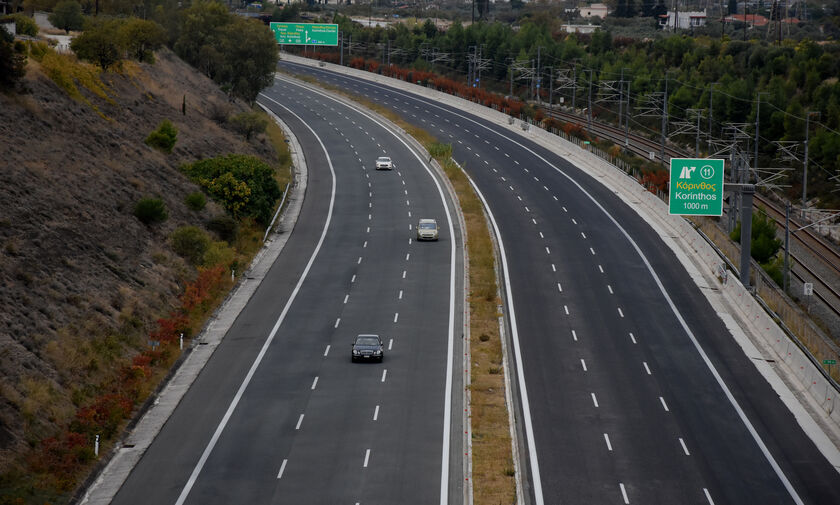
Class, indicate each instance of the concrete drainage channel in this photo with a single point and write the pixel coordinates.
(128, 452)
(750, 326)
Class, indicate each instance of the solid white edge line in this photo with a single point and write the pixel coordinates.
(221, 426)
(741, 414)
(520, 372)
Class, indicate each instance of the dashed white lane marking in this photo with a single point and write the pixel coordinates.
(685, 449)
(282, 468)
(409, 213)
(407, 255)
(594, 400)
(527, 209)
(368, 230)
(346, 297)
(647, 368)
(624, 494)
(403, 276)
(367, 458)
(553, 268)
(592, 251)
(384, 374)
(574, 335)
(511, 188)
(370, 216)
(541, 234)
(545, 187)
(547, 250)
(485, 161)
(300, 420)
(583, 364)
(376, 413)
(409, 241)
(607, 440)
(573, 221)
(620, 313)
(314, 383)
(406, 202)
(559, 287)
(664, 405)
(566, 308)
(360, 261)
(506, 154)
(610, 288)
(516, 162)
(632, 337)
(327, 350)
(409, 227)
(583, 235)
(400, 296)
(365, 244)
(708, 496)
(338, 320)
(564, 209)
(396, 316)
(601, 268)
(353, 279)
(535, 178)
(533, 220)
(390, 344)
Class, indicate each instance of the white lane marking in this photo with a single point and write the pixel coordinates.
(406, 202)
(365, 244)
(403, 275)
(664, 405)
(396, 316)
(708, 496)
(601, 268)
(594, 400)
(337, 321)
(409, 227)
(282, 468)
(370, 216)
(400, 296)
(409, 241)
(553, 268)
(300, 420)
(647, 368)
(353, 279)
(367, 457)
(566, 308)
(555, 198)
(583, 364)
(685, 449)
(384, 373)
(564, 209)
(535, 178)
(547, 251)
(368, 230)
(409, 213)
(327, 350)
(533, 220)
(583, 235)
(516, 162)
(527, 209)
(376, 413)
(559, 287)
(346, 297)
(574, 335)
(182, 497)
(573, 221)
(511, 188)
(360, 261)
(545, 188)
(610, 288)
(507, 155)
(314, 383)
(592, 251)
(407, 255)
(632, 337)
(620, 313)
(624, 494)
(541, 234)
(390, 344)
(607, 440)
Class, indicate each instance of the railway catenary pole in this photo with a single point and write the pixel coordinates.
(805, 162)
(786, 268)
(664, 119)
(757, 115)
(711, 93)
(574, 87)
(627, 117)
(590, 102)
(621, 102)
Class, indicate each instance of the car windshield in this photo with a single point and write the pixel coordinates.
(367, 341)
(384, 159)
(427, 226)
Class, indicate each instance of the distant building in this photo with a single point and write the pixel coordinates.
(579, 28)
(9, 27)
(594, 11)
(684, 20)
(752, 20)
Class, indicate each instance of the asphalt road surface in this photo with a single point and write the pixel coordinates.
(636, 392)
(280, 414)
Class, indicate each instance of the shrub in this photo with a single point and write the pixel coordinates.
(225, 227)
(151, 211)
(243, 185)
(249, 123)
(195, 201)
(24, 25)
(190, 242)
(12, 62)
(763, 242)
(164, 137)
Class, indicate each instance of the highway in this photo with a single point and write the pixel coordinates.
(633, 390)
(280, 414)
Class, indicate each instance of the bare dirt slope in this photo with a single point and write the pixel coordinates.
(81, 279)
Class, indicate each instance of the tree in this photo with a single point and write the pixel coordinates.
(99, 44)
(67, 15)
(250, 58)
(12, 62)
(24, 25)
(141, 38)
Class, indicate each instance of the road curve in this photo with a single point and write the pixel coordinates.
(637, 391)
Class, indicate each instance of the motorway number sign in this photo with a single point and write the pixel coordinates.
(696, 187)
(310, 34)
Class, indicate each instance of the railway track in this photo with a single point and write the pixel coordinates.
(826, 254)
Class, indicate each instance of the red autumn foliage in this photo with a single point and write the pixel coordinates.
(655, 181)
(104, 415)
(61, 457)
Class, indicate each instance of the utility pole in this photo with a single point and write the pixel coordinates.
(590, 102)
(711, 92)
(574, 87)
(757, 115)
(389, 53)
(550, 87)
(805, 165)
(341, 49)
(664, 118)
(539, 73)
(697, 140)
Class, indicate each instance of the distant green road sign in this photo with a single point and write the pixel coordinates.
(829, 362)
(696, 187)
(310, 34)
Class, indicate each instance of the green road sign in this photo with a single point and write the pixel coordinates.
(829, 362)
(310, 34)
(696, 187)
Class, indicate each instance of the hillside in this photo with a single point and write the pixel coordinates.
(83, 281)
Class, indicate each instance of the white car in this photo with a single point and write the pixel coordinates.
(384, 163)
(427, 229)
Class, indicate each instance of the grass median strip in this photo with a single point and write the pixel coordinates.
(492, 461)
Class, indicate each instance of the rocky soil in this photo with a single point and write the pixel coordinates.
(81, 279)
